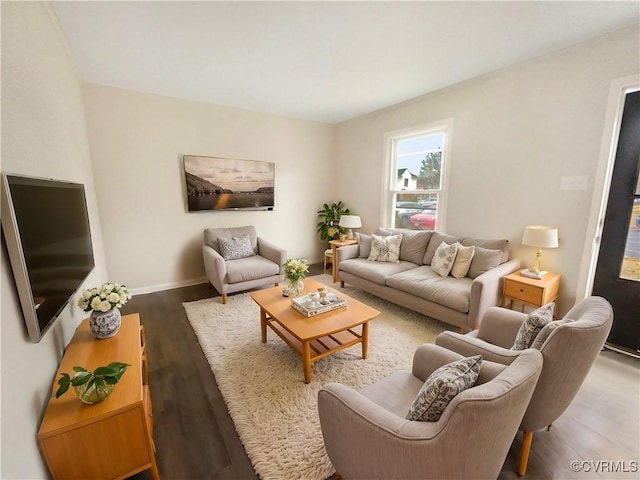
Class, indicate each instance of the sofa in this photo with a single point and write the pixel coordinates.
(410, 280)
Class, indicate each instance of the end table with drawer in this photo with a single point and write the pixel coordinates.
(530, 291)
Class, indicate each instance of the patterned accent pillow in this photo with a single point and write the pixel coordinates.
(235, 247)
(385, 249)
(462, 263)
(532, 326)
(444, 258)
(442, 386)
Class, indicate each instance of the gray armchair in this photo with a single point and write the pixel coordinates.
(229, 276)
(367, 436)
(568, 346)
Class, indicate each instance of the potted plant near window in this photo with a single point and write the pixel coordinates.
(329, 219)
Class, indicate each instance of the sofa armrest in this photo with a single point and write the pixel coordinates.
(347, 252)
(214, 267)
(469, 344)
(272, 252)
(486, 291)
(428, 358)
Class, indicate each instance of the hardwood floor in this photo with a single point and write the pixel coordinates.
(195, 437)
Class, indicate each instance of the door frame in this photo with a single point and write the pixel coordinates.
(602, 182)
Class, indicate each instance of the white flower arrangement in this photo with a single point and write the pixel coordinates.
(295, 269)
(104, 298)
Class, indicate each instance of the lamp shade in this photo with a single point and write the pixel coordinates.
(540, 236)
(350, 221)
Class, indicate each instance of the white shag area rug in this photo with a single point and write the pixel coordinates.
(275, 413)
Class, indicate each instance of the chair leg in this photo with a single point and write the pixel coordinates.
(527, 437)
(224, 298)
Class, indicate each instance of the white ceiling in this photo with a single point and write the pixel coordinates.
(324, 61)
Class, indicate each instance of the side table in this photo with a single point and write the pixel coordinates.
(335, 244)
(530, 291)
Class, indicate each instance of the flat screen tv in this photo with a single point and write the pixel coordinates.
(215, 183)
(45, 225)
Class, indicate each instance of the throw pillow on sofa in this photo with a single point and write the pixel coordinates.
(483, 261)
(461, 265)
(365, 244)
(442, 386)
(235, 247)
(532, 325)
(385, 249)
(444, 258)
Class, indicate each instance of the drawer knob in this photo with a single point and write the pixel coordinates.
(521, 290)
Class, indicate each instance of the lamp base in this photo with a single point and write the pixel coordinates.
(531, 274)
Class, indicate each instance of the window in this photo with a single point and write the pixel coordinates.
(416, 173)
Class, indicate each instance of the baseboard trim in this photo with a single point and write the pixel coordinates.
(167, 286)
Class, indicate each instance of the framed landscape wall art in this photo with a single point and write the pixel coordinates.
(215, 183)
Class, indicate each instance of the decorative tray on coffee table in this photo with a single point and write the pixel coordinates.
(307, 307)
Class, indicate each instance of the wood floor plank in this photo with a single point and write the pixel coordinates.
(196, 439)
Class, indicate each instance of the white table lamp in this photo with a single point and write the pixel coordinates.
(540, 237)
(350, 222)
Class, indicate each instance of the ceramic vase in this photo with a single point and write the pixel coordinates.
(105, 324)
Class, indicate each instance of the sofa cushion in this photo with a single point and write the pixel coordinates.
(376, 272)
(385, 249)
(532, 325)
(483, 261)
(461, 265)
(250, 268)
(442, 386)
(434, 242)
(414, 242)
(365, 245)
(235, 247)
(423, 282)
(503, 245)
(444, 258)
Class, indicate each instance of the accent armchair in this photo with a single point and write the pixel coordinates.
(259, 264)
(367, 436)
(568, 346)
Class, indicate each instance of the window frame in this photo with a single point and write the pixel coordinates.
(389, 193)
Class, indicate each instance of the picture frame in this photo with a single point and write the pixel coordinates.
(218, 183)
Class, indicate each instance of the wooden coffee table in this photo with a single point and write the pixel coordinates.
(314, 337)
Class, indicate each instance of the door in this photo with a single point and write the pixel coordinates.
(617, 276)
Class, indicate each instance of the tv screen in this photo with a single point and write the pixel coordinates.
(215, 183)
(45, 225)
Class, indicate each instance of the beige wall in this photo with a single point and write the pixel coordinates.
(515, 133)
(137, 142)
(44, 135)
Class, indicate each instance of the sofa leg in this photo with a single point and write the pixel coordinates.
(527, 437)
(277, 284)
(341, 283)
(337, 476)
(224, 298)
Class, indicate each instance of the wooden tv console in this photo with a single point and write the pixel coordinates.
(112, 439)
